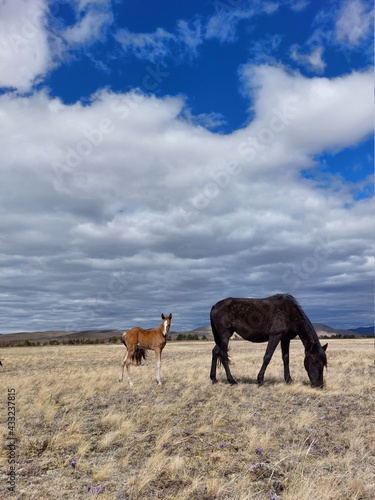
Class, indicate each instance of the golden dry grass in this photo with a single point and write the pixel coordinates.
(188, 439)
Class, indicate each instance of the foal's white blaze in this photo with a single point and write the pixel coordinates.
(165, 324)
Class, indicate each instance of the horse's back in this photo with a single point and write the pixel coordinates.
(131, 334)
(255, 319)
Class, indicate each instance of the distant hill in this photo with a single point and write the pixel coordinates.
(322, 329)
(104, 336)
(364, 330)
(58, 335)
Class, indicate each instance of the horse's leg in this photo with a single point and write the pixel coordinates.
(285, 342)
(122, 365)
(225, 358)
(215, 355)
(158, 365)
(271, 346)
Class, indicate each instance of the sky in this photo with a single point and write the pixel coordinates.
(158, 156)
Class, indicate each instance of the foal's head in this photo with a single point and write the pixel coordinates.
(166, 323)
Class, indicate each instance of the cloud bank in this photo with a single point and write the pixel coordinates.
(126, 205)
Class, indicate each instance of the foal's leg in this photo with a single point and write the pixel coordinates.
(285, 342)
(158, 365)
(128, 362)
(271, 346)
(122, 365)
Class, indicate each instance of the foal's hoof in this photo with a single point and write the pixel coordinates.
(214, 381)
(232, 382)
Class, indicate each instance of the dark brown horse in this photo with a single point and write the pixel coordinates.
(275, 319)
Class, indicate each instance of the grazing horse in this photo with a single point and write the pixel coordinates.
(274, 319)
(137, 340)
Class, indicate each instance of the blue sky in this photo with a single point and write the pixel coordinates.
(159, 156)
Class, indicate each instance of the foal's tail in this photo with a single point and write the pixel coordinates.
(138, 355)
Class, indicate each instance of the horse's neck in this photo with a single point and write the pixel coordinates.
(308, 338)
(159, 329)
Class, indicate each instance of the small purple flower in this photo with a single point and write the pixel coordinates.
(262, 465)
(95, 490)
(221, 445)
(151, 438)
(251, 468)
(73, 463)
(273, 496)
(258, 450)
(276, 485)
(165, 446)
(336, 449)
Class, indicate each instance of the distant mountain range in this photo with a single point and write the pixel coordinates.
(363, 330)
(101, 336)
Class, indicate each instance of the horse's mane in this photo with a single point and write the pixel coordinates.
(310, 330)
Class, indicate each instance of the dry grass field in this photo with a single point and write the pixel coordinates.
(79, 433)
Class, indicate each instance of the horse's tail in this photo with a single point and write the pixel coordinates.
(138, 355)
(217, 339)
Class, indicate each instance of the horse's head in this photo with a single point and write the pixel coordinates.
(166, 323)
(315, 361)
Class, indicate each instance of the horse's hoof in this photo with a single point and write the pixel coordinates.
(232, 382)
(214, 381)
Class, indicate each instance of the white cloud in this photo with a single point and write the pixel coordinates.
(313, 60)
(354, 21)
(328, 113)
(24, 52)
(161, 44)
(223, 24)
(30, 47)
(122, 207)
(88, 29)
(149, 46)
